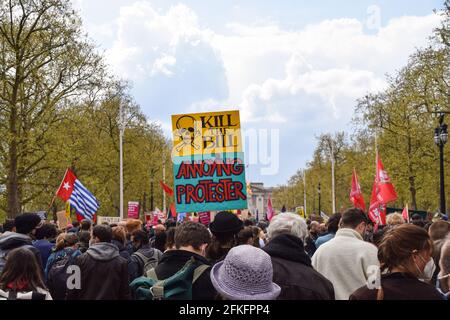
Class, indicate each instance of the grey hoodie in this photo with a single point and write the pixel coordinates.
(11, 240)
(103, 251)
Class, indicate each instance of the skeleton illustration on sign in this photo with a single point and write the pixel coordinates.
(187, 131)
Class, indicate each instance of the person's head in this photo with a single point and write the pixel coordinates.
(332, 224)
(170, 238)
(322, 228)
(86, 225)
(21, 267)
(394, 219)
(119, 234)
(192, 237)
(439, 230)
(84, 237)
(76, 224)
(416, 217)
(314, 227)
(378, 236)
(245, 274)
(287, 223)
(224, 228)
(47, 231)
(139, 238)
(27, 223)
(159, 228)
(444, 264)
(66, 240)
(101, 233)
(248, 223)
(355, 219)
(8, 225)
(245, 236)
(405, 248)
(133, 225)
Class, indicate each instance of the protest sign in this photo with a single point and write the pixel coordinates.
(109, 220)
(62, 219)
(208, 162)
(133, 210)
(204, 218)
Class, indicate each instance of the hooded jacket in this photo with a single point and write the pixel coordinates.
(13, 240)
(136, 264)
(293, 272)
(104, 274)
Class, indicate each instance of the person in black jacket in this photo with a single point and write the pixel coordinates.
(191, 240)
(104, 273)
(144, 256)
(292, 269)
(404, 252)
(25, 226)
(310, 240)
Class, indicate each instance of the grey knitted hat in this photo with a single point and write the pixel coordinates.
(245, 274)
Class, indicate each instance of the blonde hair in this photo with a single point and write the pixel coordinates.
(133, 225)
(65, 240)
(120, 234)
(394, 219)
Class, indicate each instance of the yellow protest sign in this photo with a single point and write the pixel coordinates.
(206, 133)
(68, 210)
(301, 212)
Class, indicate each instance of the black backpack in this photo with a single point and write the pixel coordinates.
(57, 275)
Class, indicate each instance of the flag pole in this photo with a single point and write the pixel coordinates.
(164, 180)
(333, 192)
(54, 196)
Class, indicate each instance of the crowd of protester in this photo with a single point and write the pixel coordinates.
(288, 258)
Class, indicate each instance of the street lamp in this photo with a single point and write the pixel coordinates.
(441, 138)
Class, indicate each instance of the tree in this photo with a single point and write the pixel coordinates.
(45, 64)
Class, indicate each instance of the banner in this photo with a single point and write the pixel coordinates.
(301, 212)
(133, 210)
(208, 162)
(109, 220)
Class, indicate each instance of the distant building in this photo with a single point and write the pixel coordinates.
(257, 199)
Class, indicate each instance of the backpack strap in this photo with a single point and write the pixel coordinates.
(152, 274)
(199, 271)
(157, 290)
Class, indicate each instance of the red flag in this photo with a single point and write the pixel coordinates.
(405, 214)
(270, 211)
(66, 186)
(386, 191)
(377, 210)
(172, 211)
(166, 188)
(356, 196)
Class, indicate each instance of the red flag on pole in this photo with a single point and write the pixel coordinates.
(386, 191)
(377, 209)
(405, 214)
(356, 196)
(166, 188)
(172, 211)
(270, 211)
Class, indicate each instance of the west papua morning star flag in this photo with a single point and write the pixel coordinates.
(356, 196)
(72, 190)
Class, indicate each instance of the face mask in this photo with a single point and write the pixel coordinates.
(428, 271)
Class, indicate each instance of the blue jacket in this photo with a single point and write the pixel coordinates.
(321, 240)
(45, 247)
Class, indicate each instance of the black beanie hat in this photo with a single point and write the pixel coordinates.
(25, 223)
(226, 222)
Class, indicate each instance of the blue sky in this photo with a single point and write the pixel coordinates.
(293, 68)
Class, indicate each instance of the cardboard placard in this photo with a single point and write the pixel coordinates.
(208, 162)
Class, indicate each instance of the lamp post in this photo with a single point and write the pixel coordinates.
(441, 138)
(121, 132)
(319, 192)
